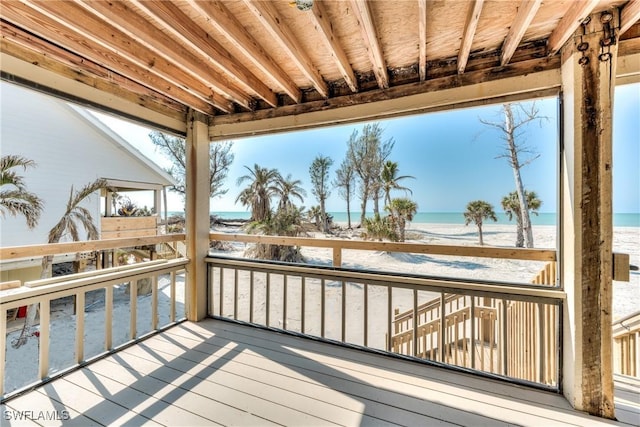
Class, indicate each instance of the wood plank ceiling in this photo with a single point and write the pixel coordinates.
(238, 59)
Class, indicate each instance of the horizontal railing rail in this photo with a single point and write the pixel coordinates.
(337, 245)
(357, 307)
(42, 292)
(34, 251)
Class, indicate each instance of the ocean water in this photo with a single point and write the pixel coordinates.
(546, 218)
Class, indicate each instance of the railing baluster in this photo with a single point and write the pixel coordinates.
(389, 315)
(442, 328)
(3, 347)
(43, 357)
(172, 298)
(415, 323)
(267, 301)
(235, 294)
(221, 309)
(251, 296)
(154, 302)
(108, 318)
(80, 298)
(302, 303)
(472, 339)
(322, 307)
(344, 311)
(284, 301)
(133, 301)
(366, 314)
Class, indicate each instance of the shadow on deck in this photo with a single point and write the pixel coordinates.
(220, 373)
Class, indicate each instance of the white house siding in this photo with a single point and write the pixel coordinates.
(69, 150)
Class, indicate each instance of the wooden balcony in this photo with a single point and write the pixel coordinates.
(221, 373)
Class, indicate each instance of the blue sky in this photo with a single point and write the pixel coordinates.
(451, 155)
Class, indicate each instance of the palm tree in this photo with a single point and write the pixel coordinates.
(16, 200)
(511, 206)
(477, 211)
(288, 188)
(390, 180)
(401, 211)
(74, 216)
(257, 196)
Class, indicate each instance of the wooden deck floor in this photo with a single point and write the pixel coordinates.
(219, 373)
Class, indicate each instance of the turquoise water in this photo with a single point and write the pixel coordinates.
(547, 218)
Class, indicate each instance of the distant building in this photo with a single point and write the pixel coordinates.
(71, 148)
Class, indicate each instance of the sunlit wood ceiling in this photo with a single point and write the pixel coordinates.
(241, 58)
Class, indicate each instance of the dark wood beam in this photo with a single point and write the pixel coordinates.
(219, 17)
(577, 13)
(526, 12)
(370, 39)
(325, 30)
(432, 85)
(275, 25)
(473, 16)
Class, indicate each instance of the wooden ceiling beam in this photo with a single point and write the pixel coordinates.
(221, 19)
(325, 30)
(38, 23)
(473, 16)
(182, 27)
(422, 37)
(630, 15)
(268, 16)
(526, 12)
(123, 18)
(371, 42)
(577, 13)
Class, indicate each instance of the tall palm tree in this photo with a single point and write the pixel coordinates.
(73, 217)
(401, 211)
(14, 197)
(257, 196)
(390, 180)
(512, 208)
(477, 211)
(288, 188)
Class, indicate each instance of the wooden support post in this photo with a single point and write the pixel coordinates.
(588, 80)
(197, 214)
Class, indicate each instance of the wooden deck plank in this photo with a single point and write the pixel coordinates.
(36, 401)
(382, 366)
(146, 405)
(119, 370)
(93, 406)
(508, 407)
(261, 406)
(318, 400)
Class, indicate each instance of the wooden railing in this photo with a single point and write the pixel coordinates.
(360, 307)
(626, 346)
(530, 338)
(43, 292)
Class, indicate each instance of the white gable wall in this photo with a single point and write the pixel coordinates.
(68, 150)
